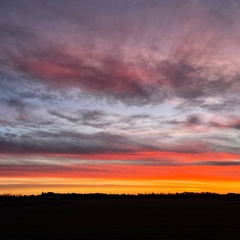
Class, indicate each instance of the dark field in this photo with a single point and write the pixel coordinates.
(122, 219)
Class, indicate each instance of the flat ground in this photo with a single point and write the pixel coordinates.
(122, 219)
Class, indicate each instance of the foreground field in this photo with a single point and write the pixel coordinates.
(122, 219)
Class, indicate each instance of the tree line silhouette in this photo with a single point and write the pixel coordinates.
(44, 196)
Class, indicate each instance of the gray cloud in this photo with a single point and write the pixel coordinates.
(67, 142)
(187, 71)
(194, 119)
(218, 163)
(114, 78)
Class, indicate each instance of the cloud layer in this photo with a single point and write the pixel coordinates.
(147, 83)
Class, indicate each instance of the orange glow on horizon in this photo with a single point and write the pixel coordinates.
(123, 176)
(122, 186)
(140, 179)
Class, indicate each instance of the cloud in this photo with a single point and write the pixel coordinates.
(115, 79)
(68, 143)
(229, 122)
(228, 104)
(103, 120)
(49, 169)
(94, 118)
(218, 163)
(194, 119)
(190, 70)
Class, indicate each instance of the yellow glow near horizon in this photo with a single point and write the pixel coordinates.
(132, 186)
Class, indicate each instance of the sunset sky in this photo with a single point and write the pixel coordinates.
(119, 96)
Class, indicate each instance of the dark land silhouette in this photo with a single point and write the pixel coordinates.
(80, 196)
(120, 216)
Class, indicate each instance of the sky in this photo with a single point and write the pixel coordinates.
(119, 96)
